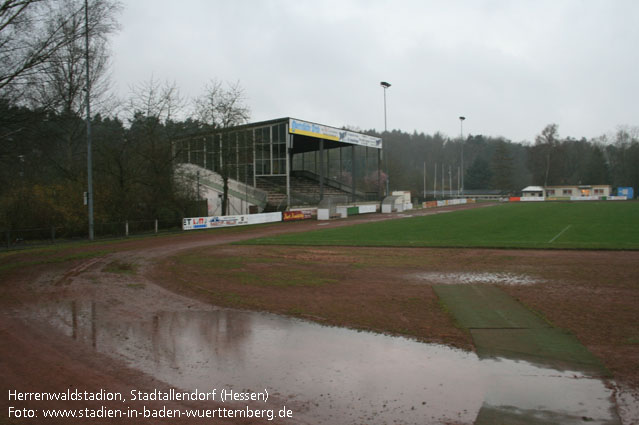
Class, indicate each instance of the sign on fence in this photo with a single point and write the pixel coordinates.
(297, 215)
(447, 202)
(194, 223)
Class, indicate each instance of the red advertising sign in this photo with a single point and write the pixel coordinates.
(296, 215)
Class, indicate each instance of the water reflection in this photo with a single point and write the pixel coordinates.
(332, 375)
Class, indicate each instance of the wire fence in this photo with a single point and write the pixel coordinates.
(27, 238)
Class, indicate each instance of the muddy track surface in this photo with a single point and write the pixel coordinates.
(38, 353)
(49, 309)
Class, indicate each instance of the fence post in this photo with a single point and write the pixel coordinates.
(126, 228)
(156, 226)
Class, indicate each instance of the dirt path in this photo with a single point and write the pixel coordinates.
(36, 353)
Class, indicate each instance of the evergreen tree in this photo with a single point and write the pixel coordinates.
(479, 175)
(598, 172)
(503, 168)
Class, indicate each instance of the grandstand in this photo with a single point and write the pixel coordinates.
(273, 165)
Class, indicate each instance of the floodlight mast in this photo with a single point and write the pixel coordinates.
(461, 132)
(385, 85)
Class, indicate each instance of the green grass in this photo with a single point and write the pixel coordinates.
(248, 270)
(564, 225)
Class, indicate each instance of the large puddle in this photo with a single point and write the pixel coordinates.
(478, 278)
(332, 375)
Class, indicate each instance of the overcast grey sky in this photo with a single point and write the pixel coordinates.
(509, 66)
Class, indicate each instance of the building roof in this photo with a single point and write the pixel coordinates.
(333, 136)
(533, 189)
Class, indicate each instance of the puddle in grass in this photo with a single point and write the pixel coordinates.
(331, 375)
(477, 278)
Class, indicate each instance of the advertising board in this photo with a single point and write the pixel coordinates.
(584, 198)
(430, 204)
(628, 192)
(194, 223)
(306, 128)
(367, 209)
(297, 215)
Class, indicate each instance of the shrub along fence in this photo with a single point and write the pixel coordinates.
(24, 238)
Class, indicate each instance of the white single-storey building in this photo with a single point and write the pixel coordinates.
(597, 191)
(577, 190)
(532, 192)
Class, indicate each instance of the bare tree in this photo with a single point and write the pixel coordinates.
(223, 108)
(548, 141)
(60, 83)
(29, 36)
(153, 99)
(153, 106)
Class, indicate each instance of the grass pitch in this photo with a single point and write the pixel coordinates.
(545, 225)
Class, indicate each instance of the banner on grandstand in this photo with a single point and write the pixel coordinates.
(331, 133)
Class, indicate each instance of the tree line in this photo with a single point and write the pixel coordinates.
(496, 163)
(43, 134)
(43, 148)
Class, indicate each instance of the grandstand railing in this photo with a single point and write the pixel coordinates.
(236, 188)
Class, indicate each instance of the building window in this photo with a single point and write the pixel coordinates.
(550, 192)
(263, 151)
(599, 191)
(567, 192)
(279, 149)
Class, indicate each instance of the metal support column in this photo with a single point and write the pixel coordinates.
(321, 169)
(289, 148)
(254, 160)
(379, 174)
(353, 170)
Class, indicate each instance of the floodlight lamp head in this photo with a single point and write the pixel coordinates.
(462, 118)
(385, 84)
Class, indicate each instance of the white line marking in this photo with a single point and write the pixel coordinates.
(559, 234)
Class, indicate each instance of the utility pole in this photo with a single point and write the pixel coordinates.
(424, 180)
(88, 102)
(435, 183)
(450, 181)
(443, 181)
(385, 85)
